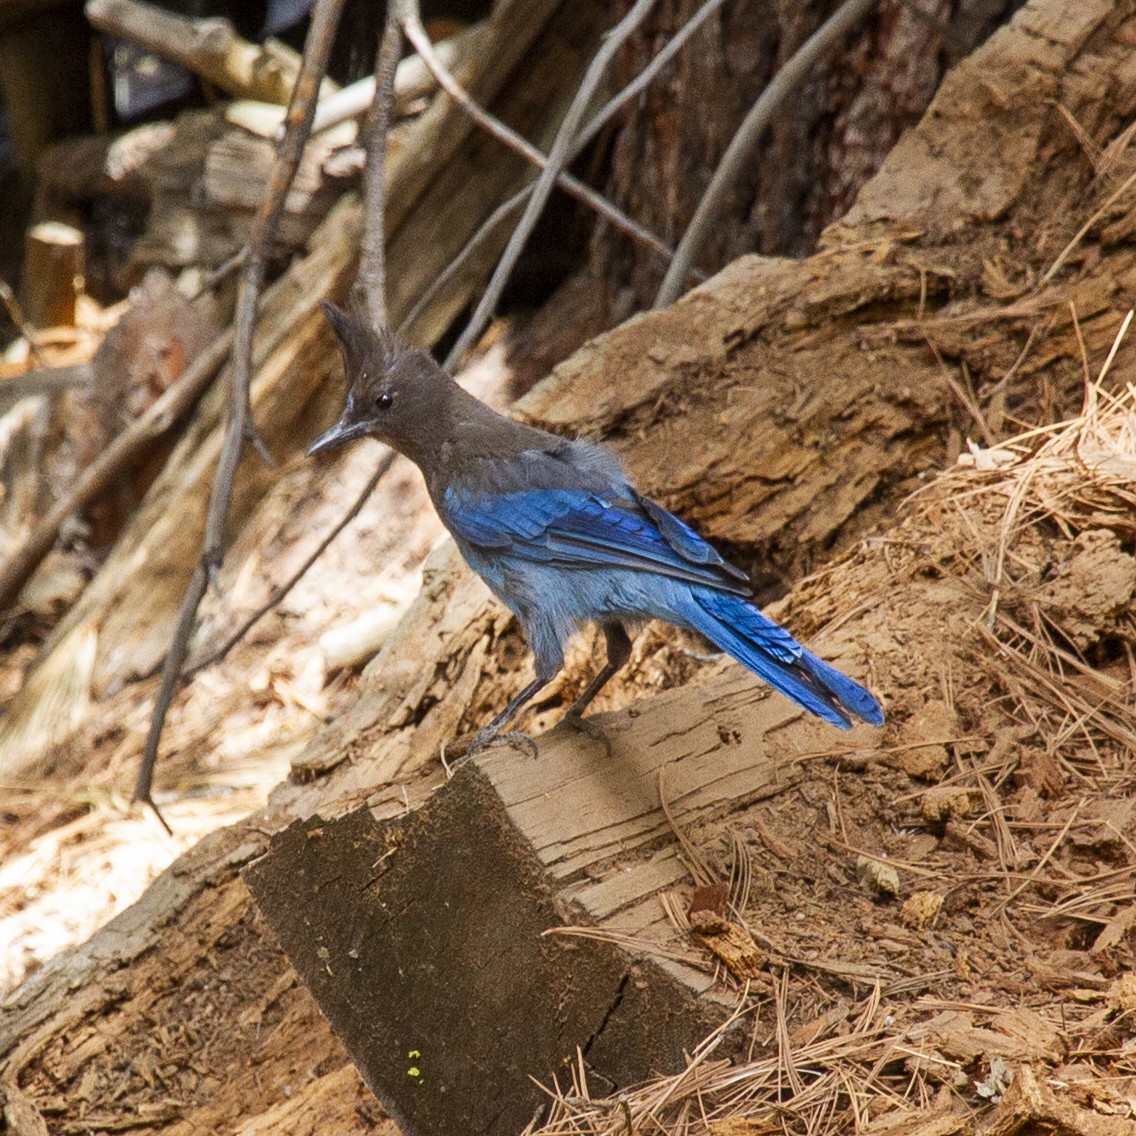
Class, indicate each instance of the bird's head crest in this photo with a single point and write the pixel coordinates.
(393, 392)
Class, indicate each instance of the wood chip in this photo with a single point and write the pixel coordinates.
(877, 876)
(921, 909)
(734, 945)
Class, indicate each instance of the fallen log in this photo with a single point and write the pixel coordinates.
(210, 48)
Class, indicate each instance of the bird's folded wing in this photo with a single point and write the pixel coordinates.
(579, 528)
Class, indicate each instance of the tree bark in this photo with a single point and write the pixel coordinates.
(826, 143)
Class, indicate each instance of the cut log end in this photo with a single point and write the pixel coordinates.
(53, 274)
(423, 942)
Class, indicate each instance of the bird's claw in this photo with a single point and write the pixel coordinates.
(468, 747)
(517, 738)
(589, 726)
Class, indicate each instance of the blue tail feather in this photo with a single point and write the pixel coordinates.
(741, 630)
(849, 693)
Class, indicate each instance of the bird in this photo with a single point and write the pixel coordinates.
(556, 529)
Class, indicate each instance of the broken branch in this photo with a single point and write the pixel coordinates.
(209, 48)
(301, 110)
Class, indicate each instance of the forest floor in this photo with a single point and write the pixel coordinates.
(73, 852)
(943, 908)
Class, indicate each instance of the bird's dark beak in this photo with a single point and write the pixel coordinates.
(343, 431)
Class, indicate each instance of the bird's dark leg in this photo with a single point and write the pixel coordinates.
(491, 733)
(618, 652)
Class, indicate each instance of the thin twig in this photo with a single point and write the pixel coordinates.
(372, 262)
(301, 110)
(451, 270)
(17, 316)
(222, 272)
(282, 591)
(744, 142)
(496, 128)
(597, 123)
(558, 157)
(372, 282)
(132, 442)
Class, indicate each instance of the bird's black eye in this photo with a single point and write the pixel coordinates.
(383, 401)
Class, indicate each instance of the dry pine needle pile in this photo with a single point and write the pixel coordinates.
(1005, 991)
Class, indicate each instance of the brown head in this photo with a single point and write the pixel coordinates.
(396, 394)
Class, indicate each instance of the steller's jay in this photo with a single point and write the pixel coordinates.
(560, 535)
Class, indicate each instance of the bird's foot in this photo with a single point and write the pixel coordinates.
(574, 720)
(455, 755)
(516, 738)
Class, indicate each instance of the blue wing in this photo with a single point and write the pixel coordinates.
(613, 527)
(578, 528)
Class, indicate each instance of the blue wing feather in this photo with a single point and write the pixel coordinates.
(584, 528)
(578, 527)
(684, 540)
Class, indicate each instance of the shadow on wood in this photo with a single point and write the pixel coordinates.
(422, 935)
(422, 942)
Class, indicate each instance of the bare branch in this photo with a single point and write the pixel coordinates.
(558, 157)
(514, 141)
(744, 143)
(372, 261)
(301, 110)
(602, 117)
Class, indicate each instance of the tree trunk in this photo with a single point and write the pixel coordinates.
(831, 136)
